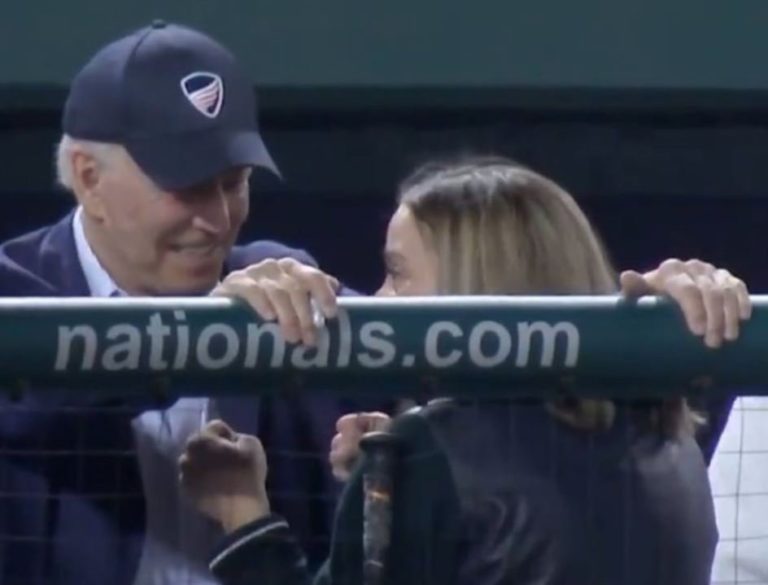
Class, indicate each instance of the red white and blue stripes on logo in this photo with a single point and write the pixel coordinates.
(205, 91)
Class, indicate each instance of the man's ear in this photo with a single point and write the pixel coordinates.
(87, 176)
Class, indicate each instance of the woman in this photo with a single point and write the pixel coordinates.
(493, 492)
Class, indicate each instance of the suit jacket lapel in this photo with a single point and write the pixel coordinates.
(59, 263)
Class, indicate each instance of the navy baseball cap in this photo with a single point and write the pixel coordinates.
(175, 99)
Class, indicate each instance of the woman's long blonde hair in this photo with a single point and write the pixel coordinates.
(498, 228)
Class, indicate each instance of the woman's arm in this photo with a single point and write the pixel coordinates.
(224, 473)
(261, 552)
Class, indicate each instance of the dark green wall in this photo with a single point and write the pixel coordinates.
(592, 43)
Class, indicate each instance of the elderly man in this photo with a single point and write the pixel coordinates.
(160, 139)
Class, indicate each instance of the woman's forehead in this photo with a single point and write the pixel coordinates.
(402, 231)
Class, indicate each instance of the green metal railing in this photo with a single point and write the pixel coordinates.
(392, 347)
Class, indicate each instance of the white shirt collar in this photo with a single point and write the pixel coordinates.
(99, 281)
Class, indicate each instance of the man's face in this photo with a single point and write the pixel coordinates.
(159, 243)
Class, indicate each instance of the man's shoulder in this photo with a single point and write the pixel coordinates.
(25, 241)
(20, 262)
(259, 250)
(31, 262)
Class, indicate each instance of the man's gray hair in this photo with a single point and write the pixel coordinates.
(103, 152)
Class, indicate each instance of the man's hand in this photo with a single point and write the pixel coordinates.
(713, 301)
(224, 474)
(283, 290)
(345, 446)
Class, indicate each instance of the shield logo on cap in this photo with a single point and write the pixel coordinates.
(205, 91)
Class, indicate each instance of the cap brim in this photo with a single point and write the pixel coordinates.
(178, 162)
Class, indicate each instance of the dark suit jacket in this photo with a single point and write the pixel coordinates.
(72, 511)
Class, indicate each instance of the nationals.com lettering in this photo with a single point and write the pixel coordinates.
(486, 344)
